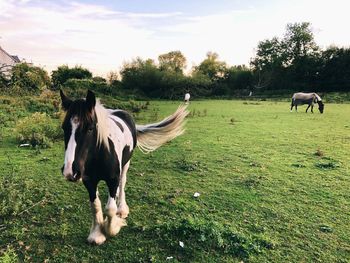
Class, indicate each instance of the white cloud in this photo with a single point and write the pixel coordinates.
(100, 38)
(77, 34)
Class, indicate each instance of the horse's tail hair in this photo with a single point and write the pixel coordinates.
(152, 136)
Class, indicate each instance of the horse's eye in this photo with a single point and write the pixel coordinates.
(90, 129)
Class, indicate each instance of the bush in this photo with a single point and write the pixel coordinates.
(63, 73)
(79, 87)
(26, 77)
(3, 81)
(39, 130)
(34, 105)
(130, 106)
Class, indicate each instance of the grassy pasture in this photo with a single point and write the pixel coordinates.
(274, 187)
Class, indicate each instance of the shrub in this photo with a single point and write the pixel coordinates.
(79, 87)
(34, 105)
(3, 81)
(26, 77)
(131, 105)
(64, 73)
(38, 130)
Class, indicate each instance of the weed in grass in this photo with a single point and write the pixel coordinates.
(251, 103)
(9, 256)
(205, 236)
(327, 165)
(319, 153)
(197, 113)
(298, 165)
(252, 181)
(326, 228)
(186, 164)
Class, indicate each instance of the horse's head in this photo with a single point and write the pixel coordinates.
(320, 106)
(80, 134)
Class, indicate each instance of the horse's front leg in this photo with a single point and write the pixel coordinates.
(308, 108)
(312, 108)
(96, 235)
(123, 208)
(113, 222)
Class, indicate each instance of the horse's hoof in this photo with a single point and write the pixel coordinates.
(113, 225)
(123, 211)
(96, 238)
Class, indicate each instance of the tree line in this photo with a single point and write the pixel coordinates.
(290, 63)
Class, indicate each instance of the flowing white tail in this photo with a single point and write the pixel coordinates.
(152, 136)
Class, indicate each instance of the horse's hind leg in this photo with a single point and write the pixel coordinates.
(96, 235)
(291, 106)
(123, 209)
(113, 223)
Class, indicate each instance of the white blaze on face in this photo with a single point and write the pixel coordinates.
(70, 151)
(187, 96)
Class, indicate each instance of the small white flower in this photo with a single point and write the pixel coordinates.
(196, 194)
(168, 258)
(181, 244)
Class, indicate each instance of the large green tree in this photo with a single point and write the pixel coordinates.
(334, 73)
(64, 73)
(288, 62)
(268, 62)
(238, 78)
(172, 61)
(141, 75)
(212, 67)
(298, 42)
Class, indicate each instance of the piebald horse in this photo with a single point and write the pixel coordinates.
(99, 143)
(301, 98)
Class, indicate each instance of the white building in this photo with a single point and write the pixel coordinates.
(7, 61)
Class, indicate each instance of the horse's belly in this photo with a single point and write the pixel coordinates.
(301, 102)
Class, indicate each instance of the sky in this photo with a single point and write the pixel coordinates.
(102, 35)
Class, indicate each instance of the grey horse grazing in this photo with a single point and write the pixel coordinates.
(301, 98)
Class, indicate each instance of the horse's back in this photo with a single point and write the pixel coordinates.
(129, 123)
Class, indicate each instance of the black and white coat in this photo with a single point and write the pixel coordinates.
(99, 143)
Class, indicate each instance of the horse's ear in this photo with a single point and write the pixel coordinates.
(66, 102)
(90, 100)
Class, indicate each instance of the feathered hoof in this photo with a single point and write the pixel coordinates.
(112, 225)
(123, 211)
(96, 238)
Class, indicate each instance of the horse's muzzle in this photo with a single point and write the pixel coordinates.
(74, 176)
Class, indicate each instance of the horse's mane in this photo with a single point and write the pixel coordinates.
(318, 97)
(102, 124)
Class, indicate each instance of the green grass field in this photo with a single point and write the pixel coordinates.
(274, 187)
